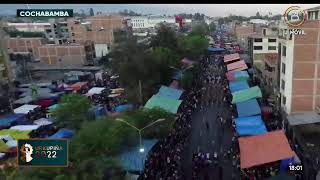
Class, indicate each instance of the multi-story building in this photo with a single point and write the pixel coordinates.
(58, 32)
(67, 54)
(300, 65)
(263, 50)
(149, 22)
(109, 22)
(98, 29)
(242, 31)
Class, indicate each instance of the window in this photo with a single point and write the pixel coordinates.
(258, 40)
(257, 47)
(72, 34)
(264, 32)
(272, 40)
(284, 51)
(283, 68)
(283, 84)
(272, 47)
(313, 15)
(73, 40)
(284, 100)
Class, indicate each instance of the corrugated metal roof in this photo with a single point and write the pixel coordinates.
(303, 118)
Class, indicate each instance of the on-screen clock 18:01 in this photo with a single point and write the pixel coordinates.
(295, 167)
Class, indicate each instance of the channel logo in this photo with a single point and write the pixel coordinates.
(295, 16)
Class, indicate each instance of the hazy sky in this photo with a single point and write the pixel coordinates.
(169, 9)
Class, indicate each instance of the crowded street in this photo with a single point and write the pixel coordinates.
(210, 134)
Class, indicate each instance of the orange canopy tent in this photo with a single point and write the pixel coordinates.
(77, 86)
(265, 148)
(231, 57)
(237, 65)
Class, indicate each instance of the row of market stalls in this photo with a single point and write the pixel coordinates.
(258, 146)
(167, 98)
(31, 117)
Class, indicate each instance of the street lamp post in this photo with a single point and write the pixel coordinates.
(141, 149)
(182, 71)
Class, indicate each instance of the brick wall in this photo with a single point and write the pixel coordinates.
(26, 45)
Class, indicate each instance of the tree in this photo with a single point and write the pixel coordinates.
(220, 21)
(200, 28)
(192, 46)
(166, 37)
(91, 12)
(258, 15)
(212, 26)
(72, 111)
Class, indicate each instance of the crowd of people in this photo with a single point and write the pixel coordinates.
(164, 160)
(209, 90)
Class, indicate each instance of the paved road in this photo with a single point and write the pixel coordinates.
(216, 139)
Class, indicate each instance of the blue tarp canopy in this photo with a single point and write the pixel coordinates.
(63, 133)
(99, 110)
(238, 86)
(8, 119)
(241, 74)
(133, 160)
(123, 107)
(252, 125)
(248, 108)
(211, 49)
(168, 92)
(285, 164)
(177, 75)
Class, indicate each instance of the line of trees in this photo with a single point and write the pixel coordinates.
(151, 64)
(231, 17)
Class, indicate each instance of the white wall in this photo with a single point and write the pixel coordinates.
(265, 45)
(139, 22)
(287, 77)
(101, 49)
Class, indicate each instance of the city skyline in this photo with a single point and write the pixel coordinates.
(212, 10)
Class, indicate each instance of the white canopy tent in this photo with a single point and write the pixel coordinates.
(96, 90)
(42, 122)
(25, 127)
(25, 109)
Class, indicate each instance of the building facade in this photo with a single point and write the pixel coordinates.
(26, 45)
(148, 22)
(300, 71)
(67, 54)
(242, 31)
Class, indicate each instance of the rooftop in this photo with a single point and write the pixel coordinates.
(303, 118)
(259, 35)
(314, 8)
(46, 67)
(61, 45)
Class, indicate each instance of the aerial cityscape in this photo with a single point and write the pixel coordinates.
(159, 92)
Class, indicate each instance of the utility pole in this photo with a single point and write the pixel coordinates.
(140, 92)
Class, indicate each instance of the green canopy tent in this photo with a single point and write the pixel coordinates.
(246, 94)
(170, 105)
